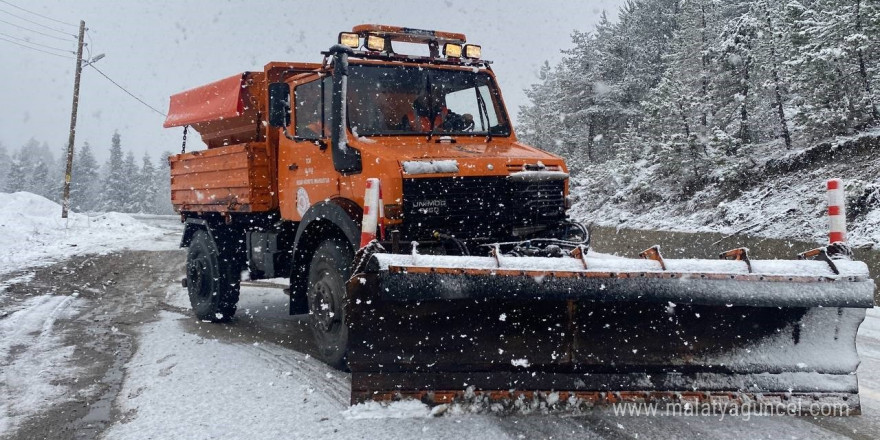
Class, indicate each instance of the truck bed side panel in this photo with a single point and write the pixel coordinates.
(235, 178)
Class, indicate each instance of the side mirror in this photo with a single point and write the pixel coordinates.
(279, 104)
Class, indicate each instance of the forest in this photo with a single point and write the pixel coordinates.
(122, 184)
(679, 97)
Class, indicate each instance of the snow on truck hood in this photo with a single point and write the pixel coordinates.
(450, 166)
(466, 157)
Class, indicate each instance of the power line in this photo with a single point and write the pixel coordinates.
(124, 90)
(38, 32)
(34, 48)
(38, 15)
(37, 44)
(88, 46)
(36, 23)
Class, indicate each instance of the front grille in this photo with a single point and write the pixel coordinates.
(471, 207)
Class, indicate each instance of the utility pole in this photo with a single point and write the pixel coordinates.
(65, 206)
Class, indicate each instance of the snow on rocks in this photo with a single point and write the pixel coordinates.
(32, 232)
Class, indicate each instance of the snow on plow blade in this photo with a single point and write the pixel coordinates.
(601, 329)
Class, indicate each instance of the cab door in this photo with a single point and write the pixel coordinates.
(306, 174)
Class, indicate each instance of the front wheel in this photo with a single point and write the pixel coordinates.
(328, 272)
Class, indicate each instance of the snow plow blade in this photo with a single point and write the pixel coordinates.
(597, 330)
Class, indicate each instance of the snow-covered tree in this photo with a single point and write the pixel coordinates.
(163, 185)
(85, 181)
(145, 190)
(114, 195)
(131, 203)
(5, 165)
(40, 181)
(19, 172)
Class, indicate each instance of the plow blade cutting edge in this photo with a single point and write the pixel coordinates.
(602, 329)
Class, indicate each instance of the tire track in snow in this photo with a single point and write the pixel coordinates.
(336, 388)
(31, 358)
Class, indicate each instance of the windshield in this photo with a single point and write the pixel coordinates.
(395, 100)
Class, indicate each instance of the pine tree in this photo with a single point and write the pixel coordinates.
(20, 170)
(771, 43)
(114, 195)
(130, 203)
(146, 187)
(40, 181)
(85, 181)
(539, 123)
(163, 185)
(830, 54)
(5, 165)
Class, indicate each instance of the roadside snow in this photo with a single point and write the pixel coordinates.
(32, 233)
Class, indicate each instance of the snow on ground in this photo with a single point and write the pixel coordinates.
(189, 381)
(182, 385)
(30, 382)
(32, 233)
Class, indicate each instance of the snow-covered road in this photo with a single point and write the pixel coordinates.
(255, 378)
(104, 346)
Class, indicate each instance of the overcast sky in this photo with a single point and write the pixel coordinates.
(156, 48)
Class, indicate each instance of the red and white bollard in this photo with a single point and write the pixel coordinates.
(836, 211)
(371, 212)
(381, 213)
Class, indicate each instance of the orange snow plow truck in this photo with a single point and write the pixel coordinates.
(477, 286)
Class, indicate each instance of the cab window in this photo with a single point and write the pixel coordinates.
(311, 111)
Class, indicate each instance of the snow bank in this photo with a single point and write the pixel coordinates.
(32, 232)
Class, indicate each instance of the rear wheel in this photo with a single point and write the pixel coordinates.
(328, 272)
(213, 280)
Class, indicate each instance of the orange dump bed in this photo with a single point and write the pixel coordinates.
(236, 173)
(235, 178)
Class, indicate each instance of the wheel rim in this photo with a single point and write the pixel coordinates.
(201, 283)
(325, 313)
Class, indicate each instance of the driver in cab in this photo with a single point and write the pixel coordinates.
(430, 114)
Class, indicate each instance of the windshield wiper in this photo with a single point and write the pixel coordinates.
(484, 110)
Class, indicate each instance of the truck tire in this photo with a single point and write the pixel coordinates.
(213, 281)
(328, 272)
